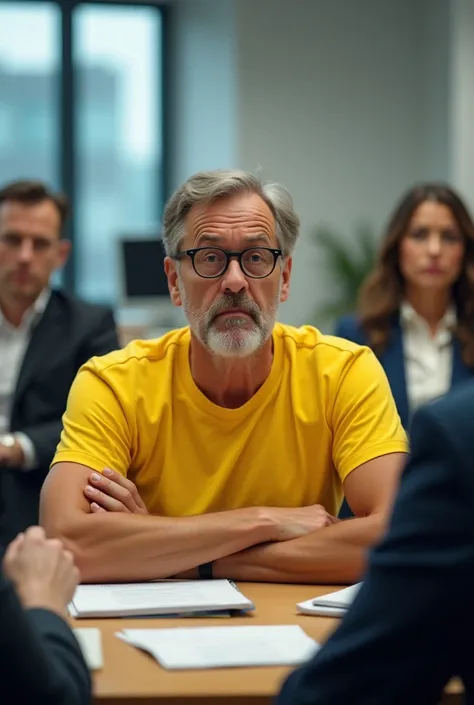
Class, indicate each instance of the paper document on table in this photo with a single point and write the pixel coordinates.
(157, 598)
(335, 604)
(90, 641)
(223, 647)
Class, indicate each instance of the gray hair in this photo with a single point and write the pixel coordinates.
(208, 186)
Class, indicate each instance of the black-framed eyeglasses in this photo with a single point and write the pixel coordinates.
(212, 262)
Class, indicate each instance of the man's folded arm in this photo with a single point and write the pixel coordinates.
(369, 451)
(121, 547)
(337, 553)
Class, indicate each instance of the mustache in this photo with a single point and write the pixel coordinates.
(240, 301)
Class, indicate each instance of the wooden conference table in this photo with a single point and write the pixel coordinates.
(131, 677)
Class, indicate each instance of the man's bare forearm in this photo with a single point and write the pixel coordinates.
(131, 547)
(333, 555)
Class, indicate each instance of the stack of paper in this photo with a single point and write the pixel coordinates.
(335, 604)
(157, 598)
(223, 647)
(90, 642)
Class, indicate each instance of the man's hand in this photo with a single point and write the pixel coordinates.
(43, 573)
(289, 523)
(293, 522)
(11, 456)
(112, 492)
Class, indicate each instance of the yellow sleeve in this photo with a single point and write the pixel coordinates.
(365, 421)
(95, 429)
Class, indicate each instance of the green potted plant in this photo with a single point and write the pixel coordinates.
(346, 263)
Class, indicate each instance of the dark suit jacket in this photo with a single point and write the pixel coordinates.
(67, 335)
(393, 361)
(40, 660)
(411, 626)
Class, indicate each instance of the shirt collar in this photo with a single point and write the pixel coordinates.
(34, 313)
(408, 316)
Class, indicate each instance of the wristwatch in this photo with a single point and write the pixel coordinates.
(8, 440)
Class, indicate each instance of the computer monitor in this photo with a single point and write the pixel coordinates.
(143, 282)
(143, 273)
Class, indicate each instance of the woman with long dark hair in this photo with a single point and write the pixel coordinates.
(416, 308)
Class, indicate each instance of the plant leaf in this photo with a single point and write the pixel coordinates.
(346, 264)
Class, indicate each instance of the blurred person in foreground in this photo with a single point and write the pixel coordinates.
(40, 660)
(232, 440)
(45, 336)
(411, 626)
(416, 309)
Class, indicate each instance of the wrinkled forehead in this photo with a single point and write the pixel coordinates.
(242, 216)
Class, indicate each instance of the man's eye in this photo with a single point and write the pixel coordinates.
(42, 245)
(11, 240)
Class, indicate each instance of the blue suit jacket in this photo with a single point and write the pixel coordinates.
(40, 660)
(393, 361)
(411, 626)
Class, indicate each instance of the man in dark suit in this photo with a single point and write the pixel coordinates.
(411, 626)
(40, 659)
(45, 336)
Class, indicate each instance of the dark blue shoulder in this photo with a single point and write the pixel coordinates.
(454, 411)
(72, 306)
(348, 327)
(449, 419)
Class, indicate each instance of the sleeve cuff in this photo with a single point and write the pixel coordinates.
(29, 453)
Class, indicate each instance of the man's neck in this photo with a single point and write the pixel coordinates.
(229, 382)
(13, 310)
(430, 305)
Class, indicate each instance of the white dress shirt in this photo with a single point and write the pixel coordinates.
(13, 345)
(428, 358)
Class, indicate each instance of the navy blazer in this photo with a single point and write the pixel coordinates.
(411, 626)
(393, 361)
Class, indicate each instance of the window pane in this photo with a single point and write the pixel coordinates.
(118, 116)
(30, 47)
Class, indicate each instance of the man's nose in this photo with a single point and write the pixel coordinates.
(26, 251)
(234, 279)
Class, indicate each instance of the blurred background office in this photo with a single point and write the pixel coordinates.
(346, 103)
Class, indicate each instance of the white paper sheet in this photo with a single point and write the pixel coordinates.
(156, 598)
(90, 641)
(334, 604)
(223, 647)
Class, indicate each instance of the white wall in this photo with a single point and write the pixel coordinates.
(332, 102)
(462, 97)
(437, 88)
(202, 89)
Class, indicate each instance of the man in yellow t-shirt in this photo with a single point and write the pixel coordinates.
(233, 440)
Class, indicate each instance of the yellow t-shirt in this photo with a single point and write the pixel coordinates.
(325, 408)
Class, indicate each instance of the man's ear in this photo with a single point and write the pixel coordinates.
(171, 272)
(285, 279)
(63, 252)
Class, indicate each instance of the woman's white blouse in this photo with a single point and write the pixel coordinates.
(428, 359)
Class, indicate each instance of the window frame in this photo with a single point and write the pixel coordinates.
(67, 108)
